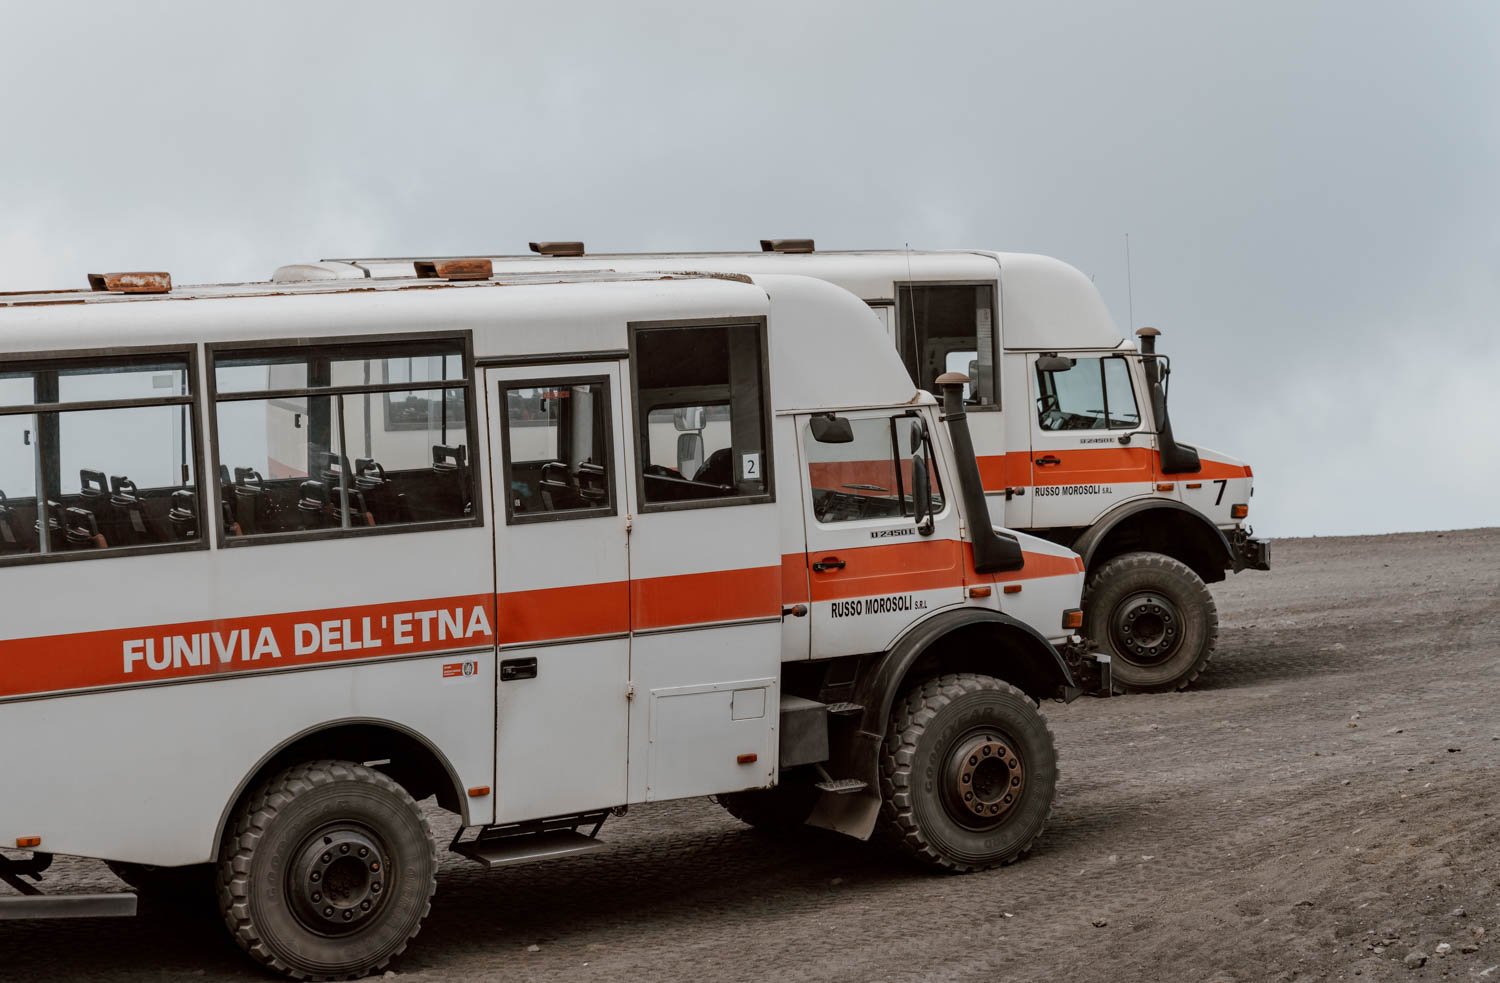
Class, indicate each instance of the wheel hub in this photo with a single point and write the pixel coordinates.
(985, 779)
(1146, 628)
(338, 880)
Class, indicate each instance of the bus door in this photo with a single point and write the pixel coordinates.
(872, 571)
(562, 588)
(705, 560)
(1089, 448)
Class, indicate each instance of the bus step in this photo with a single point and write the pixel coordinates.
(511, 851)
(842, 786)
(38, 906)
(844, 709)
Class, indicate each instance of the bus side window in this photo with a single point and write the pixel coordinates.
(557, 449)
(945, 327)
(346, 438)
(701, 411)
(102, 458)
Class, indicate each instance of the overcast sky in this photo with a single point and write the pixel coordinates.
(1312, 190)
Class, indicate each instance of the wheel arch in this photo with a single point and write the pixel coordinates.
(941, 643)
(1158, 526)
(416, 764)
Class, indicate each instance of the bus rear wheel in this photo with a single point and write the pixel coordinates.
(327, 872)
(969, 772)
(1155, 618)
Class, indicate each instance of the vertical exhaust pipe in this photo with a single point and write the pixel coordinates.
(993, 551)
(1175, 458)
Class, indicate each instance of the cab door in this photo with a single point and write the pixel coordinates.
(1089, 448)
(873, 567)
(562, 585)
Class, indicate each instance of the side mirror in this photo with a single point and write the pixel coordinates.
(921, 495)
(1054, 363)
(831, 429)
(689, 453)
(689, 419)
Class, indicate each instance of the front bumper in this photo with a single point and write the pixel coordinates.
(1250, 554)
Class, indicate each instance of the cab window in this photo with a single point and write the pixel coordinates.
(349, 438)
(702, 414)
(98, 457)
(558, 449)
(869, 477)
(1094, 394)
(950, 328)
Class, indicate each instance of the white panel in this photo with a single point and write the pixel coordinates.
(144, 775)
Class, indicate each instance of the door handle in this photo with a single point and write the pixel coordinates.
(1048, 460)
(517, 669)
(1015, 492)
(828, 563)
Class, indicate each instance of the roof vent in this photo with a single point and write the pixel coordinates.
(131, 283)
(786, 245)
(557, 248)
(454, 269)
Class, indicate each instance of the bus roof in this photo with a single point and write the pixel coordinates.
(1045, 303)
(512, 317)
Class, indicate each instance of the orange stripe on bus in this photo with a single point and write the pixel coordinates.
(225, 646)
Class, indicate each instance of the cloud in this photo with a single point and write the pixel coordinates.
(1308, 188)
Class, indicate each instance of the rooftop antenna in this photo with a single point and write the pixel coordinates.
(1129, 284)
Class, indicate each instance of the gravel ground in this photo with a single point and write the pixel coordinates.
(1322, 805)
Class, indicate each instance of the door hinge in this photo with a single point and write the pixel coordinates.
(629, 522)
(630, 691)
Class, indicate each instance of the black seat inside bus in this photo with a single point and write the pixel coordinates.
(183, 514)
(81, 530)
(313, 506)
(254, 511)
(451, 471)
(126, 519)
(12, 539)
(718, 469)
(384, 503)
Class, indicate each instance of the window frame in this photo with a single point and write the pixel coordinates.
(998, 353)
(640, 439)
(369, 346)
(897, 458)
(513, 518)
(85, 357)
(1103, 396)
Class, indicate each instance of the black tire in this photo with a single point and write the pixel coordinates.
(1155, 618)
(271, 871)
(779, 810)
(939, 732)
(189, 885)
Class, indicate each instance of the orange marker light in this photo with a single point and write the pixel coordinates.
(27, 842)
(479, 791)
(1238, 511)
(980, 592)
(1195, 484)
(1073, 618)
(1012, 588)
(747, 759)
(1166, 486)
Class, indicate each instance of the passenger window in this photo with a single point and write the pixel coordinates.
(103, 463)
(1095, 394)
(869, 477)
(950, 328)
(341, 440)
(702, 414)
(558, 449)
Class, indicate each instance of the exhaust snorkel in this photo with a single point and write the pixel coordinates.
(993, 551)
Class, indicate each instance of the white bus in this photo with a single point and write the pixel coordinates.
(1069, 418)
(280, 561)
